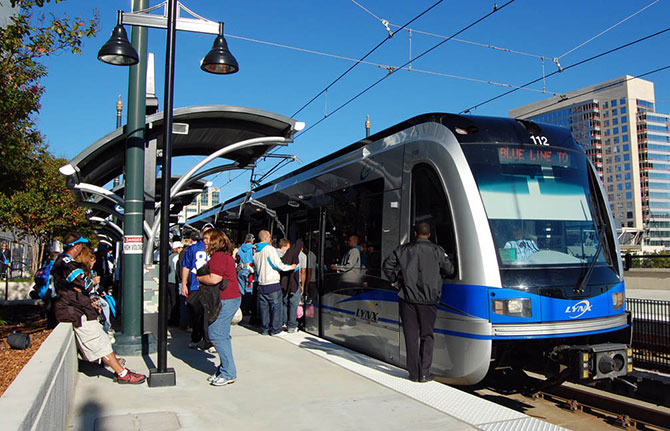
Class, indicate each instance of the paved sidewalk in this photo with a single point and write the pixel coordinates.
(281, 385)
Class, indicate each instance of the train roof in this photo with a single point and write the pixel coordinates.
(469, 123)
(467, 128)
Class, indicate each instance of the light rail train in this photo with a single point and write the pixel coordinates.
(517, 205)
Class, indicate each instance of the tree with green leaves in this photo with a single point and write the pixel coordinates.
(31, 190)
(43, 208)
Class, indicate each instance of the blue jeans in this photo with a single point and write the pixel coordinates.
(219, 335)
(270, 308)
(243, 281)
(290, 309)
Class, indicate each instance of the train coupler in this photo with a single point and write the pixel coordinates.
(597, 361)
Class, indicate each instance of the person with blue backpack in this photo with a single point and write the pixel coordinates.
(43, 280)
(44, 289)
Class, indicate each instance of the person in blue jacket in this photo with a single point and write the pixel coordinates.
(245, 267)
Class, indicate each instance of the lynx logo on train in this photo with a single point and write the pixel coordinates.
(578, 309)
(367, 314)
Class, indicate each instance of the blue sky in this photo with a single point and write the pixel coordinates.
(503, 50)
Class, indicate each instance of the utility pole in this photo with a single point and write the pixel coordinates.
(132, 284)
(119, 113)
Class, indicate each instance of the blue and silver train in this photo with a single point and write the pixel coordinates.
(517, 205)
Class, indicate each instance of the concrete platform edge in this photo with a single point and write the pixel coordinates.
(40, 396)
(468, 408)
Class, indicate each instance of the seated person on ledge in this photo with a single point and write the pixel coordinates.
(73, 304)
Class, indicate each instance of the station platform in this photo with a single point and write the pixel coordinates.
(653, 284)
(295, 382)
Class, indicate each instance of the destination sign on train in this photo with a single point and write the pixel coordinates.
(533, 156)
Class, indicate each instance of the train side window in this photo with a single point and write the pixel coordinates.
(429, 204)
(356, 210)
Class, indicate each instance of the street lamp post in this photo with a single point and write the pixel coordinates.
(219, 60)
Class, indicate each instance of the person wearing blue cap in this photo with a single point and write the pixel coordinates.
(74, 305)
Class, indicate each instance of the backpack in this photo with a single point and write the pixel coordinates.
(44, 281)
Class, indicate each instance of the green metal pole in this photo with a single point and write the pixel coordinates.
(130, 342)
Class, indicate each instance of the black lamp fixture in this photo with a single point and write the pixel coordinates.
(219, 59)
(118, 50)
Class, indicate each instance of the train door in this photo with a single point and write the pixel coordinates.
(428, 203)
(359, 307)
(304, 224)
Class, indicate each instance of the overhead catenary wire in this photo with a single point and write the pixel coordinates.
(383, 66)
(275, 168)
(363, 58)
(579, 63)
(426, 33)
(513, 51)
(465, 78)
(395, 69)
(606, 30)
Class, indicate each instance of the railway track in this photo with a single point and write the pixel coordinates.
(606, 409)
(625, 412)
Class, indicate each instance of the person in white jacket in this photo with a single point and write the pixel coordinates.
(267, 265)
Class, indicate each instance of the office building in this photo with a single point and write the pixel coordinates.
(628, 143)
(204, 201)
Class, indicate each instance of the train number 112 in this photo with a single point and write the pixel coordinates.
(539, 140)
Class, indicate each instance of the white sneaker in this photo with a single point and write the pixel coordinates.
(292, 330)
(211, 378)
(211, 350)
(279, 334)
(222, 381)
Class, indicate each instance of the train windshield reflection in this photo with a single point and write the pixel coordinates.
(538, 205)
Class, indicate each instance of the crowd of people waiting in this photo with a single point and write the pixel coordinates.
(213, 280)
(210, 281)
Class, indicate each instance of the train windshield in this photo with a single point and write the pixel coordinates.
(539, 204)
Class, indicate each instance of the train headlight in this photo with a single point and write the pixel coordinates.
(618, 299)
(518, 307)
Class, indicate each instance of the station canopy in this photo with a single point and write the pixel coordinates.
(197, 131)
(102, 207)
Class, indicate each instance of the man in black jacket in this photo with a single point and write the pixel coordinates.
(418, 269)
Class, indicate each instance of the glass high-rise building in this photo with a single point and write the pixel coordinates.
(627, 141)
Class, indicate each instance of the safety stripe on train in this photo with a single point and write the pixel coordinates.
(475, 301)
(487, 337)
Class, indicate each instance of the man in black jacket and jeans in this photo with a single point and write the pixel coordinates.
(418, 269)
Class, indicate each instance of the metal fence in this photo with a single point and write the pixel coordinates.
(22, 254)
(651, 333)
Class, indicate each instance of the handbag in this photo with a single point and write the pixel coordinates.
(309, 309)
(237, 318)
(209, 295)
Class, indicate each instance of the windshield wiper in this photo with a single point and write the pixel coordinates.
(586, 275)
